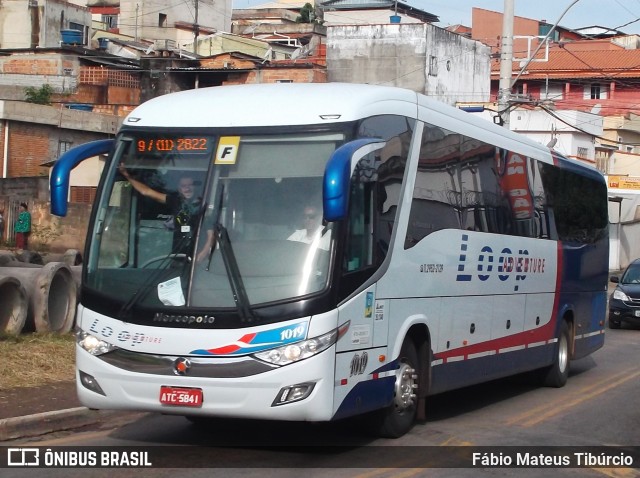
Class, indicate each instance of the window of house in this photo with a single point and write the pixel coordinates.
(595, 91)
(583, 152)
(543, 30)
(162, 20)
(110, 21)
(433, 65)
(551, 92)
(64, 146)
(284, 81)
(83, 194)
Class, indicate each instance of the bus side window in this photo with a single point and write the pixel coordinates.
(375, 192)
(437, 195)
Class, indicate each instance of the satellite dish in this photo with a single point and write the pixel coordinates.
(552, 143)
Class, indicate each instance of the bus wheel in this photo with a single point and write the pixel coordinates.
(398, 418)
(558, 373)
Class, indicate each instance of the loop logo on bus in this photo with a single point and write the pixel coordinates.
(227, 151)
(504, 264)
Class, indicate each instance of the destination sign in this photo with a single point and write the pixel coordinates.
(177, 144)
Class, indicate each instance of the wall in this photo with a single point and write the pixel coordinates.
(400, 55)
(629, 244)
(140, 18)
(49, 233)
(71, 81)
(296, 72)
(539, 126)
(23, 23)
(50, 36)
(15, 25)
(31, 145)
(28, 69)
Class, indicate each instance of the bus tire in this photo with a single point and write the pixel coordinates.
(557, 374)
(397, 419)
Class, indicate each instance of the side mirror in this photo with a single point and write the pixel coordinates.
(59, 181)
(614, 279)
(337, 175)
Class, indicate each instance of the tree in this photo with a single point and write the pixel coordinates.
(39, 96)
(307, 14)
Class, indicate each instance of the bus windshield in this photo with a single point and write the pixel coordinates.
(211, 221)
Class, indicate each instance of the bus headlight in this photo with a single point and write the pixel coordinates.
(93, 344)
(302, 350)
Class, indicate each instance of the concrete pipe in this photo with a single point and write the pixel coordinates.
(30, 257)
(76, 272)
(52, 294)
(71, 257)
(15, 304)
(6, 257)
(18, 263)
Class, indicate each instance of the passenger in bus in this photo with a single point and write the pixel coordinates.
(311, 230)
(184, 207)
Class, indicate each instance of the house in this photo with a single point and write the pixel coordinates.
(180, 22)
(42, 23)
(420, 57)
(353, 12)
(486, 27)
(75, 74)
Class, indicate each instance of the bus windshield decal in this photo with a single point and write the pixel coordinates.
(256, 342)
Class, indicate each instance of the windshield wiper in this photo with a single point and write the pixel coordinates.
(221, 237)
(233, 273)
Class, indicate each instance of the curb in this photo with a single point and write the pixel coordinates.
(48, 422)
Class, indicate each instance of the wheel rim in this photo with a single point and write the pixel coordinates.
(405, 387)
(563, 354)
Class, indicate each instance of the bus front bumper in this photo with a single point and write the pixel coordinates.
(101, 385)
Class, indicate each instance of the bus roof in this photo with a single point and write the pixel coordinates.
(299, 104)
(273, 104)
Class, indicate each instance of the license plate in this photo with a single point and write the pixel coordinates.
(181, 397)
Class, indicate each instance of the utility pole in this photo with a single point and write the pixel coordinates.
(195, 30)
(136, 34)
(506, 63)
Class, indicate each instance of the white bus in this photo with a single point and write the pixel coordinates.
(446, 252)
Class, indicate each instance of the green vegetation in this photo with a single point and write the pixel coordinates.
(39, 96)
(308, 15)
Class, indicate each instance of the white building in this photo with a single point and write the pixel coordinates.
(417, 56)
(173, 21)
(39, 24)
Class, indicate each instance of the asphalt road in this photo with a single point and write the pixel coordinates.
(597, 407)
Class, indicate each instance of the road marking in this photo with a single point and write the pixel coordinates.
(580, 392)
(544, 412)
(618, 472)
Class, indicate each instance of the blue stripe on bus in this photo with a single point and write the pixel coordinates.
(367, 396)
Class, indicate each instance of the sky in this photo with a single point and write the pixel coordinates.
(584, 13)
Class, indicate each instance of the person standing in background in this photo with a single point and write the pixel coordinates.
(23, 227)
